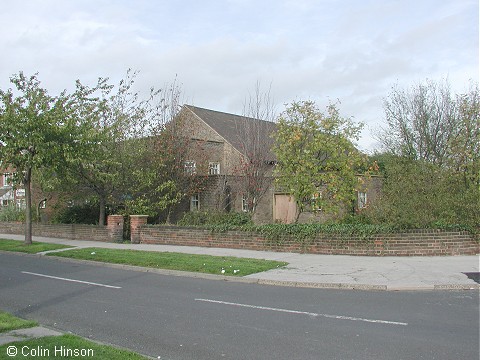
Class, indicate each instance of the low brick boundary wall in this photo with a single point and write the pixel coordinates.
(409, 243)
(112, 232)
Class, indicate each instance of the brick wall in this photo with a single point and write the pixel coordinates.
(411, 243)
(113, 231)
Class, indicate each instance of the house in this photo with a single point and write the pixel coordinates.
(240, 166)
(221, 144)
(9, 195)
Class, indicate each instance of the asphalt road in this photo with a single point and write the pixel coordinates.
(171, 317)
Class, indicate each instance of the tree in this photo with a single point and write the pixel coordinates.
(111, 118)
(35, 130)
(432, 156)
(317, 160)
(427, 122)
(159, 180)
(255, 130)
(464, 144)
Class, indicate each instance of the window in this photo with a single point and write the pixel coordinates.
(244, 203)
(43, 204)
(20, 204)
(190, 167)
(315, 201)
(362, 200)
(195, 202)
(213, 168)
(7, 179)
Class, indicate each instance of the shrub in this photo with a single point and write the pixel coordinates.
(78, 214)
(420, 195)
(12, 213)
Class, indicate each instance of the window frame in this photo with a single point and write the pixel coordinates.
(245, 203)
(213, 168)
(7, 179)
(195, 202)
(361, 200)
(190, 167)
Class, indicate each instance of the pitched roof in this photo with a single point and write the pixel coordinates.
(236, 128)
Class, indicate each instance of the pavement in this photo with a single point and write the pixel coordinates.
(322, 271)
(26, 334)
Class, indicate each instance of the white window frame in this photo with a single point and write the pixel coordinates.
(20, 204)
(195, 202)
(361, 199)
(244, 203)
(313, 199)
(190, 167)
(214, 168)
(7, 180)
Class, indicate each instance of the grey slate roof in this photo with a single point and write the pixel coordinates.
(234, 128)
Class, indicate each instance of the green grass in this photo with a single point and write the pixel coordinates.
(46, 347)
(232, 266)
(9, 322)
(35, 247)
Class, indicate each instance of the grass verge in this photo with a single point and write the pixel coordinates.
(65, 347)
(226, 265)
(9, 322)
(35, 247)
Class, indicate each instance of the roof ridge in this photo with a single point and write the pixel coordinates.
(229, 114)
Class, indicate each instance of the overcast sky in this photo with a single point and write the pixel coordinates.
(352, 50)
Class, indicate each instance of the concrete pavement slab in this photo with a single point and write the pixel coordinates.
(25, 334)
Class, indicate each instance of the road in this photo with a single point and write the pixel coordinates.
(170, 317)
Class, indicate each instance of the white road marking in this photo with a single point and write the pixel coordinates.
(340, 317)
(72, 280)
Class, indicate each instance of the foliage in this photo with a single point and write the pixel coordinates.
(231, 266)
(220, 222)
(11, 213)
(419, 121)
(431, 164)
(78, 214)
(416, 194)
(317, 162)
(159, 179)
(107, 116)
(304, 233)
(36, 130)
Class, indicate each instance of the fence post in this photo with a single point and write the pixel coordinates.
(136, 222)
(115, 228)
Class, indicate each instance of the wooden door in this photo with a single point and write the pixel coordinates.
(285, 208)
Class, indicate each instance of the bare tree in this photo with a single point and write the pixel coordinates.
(255, 131)
(435, 173)
(420, 121)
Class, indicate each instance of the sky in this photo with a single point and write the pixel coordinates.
(353, 51)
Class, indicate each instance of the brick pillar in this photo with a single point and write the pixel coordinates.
(136, 221)
(115, 228)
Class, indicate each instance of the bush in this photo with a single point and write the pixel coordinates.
(12, 213)
(78, 214)
(421, 195)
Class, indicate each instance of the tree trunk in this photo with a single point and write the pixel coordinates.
(102, 205)
(27, 180)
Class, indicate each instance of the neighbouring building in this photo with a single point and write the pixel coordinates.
(9, 195)
(227, 140)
